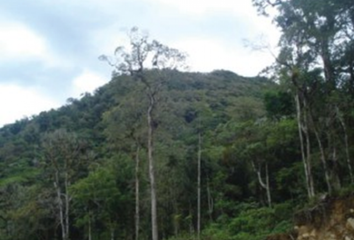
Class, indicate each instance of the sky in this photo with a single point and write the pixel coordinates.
(49, 49)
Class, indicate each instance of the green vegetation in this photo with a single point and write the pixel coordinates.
(233, 157)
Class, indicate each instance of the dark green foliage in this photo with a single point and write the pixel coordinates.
(109, 124)
(246, 124)
(279, 104)
(249, 131)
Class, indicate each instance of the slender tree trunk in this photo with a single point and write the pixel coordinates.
(346, 142)
(351, 79)
(308, 155)
(263, 185)
(191, 228)
(89, 227)
(323, 160)
(176, 219)
(60, 205)
(349, 165)
(67, 205)
(112, 233)
(151, 167)
(323, 155)
(269, 197)
(336, 179)
(210, 202)
(327, 64)
(137, 194)
(304, 154)
(199, 183)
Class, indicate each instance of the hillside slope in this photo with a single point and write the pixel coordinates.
(331, 219)
(90, 141)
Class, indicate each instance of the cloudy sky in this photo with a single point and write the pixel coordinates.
(49, 49)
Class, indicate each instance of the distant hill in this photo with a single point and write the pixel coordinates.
(223, 90)
(105, 123)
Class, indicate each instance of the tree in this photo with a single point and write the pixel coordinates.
(62, 158)
(128, 136)
(133, 62)
(313, 61)
(104, 198)
(202, 112)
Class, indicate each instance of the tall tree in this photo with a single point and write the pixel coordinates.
(315, 43)
(62, 157)
(129, 136)
(141, 55)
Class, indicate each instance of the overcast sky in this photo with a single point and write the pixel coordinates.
(49, 49)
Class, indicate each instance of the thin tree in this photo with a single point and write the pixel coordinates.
(317, 41)
(134, 61)
(130, 114)
(62, 156)
(199, 182)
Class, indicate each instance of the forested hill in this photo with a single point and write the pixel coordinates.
(86, 151)
(162, 154)
(223, 144)
(227, 95)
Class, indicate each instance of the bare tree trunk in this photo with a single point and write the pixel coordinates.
(137, 194)
(305, 156)
(327, 64)
(269, 197)
(176, 224)
(89, 227)
(263, 185)
(67, 205)
(60, 205)
(61, 149)
(191, 228)
(351, 79)
(199, 183)
(322, 152)
(349, 165)
(210, 202)
(336, 182)
(308, 155)
(323, 160)
(112, 233)
(151, 167)
(175, 227)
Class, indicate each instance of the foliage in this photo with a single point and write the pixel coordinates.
(268, 147)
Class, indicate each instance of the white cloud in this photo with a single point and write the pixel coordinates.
(207, 55)
(220, 52)
(201, 7)
(204, 55)
(106, 40)
(19, 42)
(17, 102)
(87, 81)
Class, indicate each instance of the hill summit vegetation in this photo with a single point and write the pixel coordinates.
(162, 154)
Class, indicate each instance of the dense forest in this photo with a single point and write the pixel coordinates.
(163, 153)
